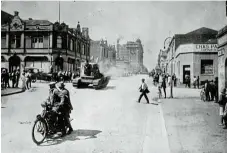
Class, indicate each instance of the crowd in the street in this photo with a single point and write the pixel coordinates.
(14, 78)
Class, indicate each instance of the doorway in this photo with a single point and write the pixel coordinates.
(186, 71)
(14, 63)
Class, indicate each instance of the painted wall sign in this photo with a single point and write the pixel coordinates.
(221, 51)
(206, 47)
(189, 48)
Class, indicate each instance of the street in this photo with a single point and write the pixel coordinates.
(108, 120)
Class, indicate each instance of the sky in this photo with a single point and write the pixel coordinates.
(150, 21)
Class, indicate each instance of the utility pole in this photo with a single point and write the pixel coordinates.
(171, 80)
(59, 9)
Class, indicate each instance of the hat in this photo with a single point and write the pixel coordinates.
(61, 84)
(143, 79)
(223, 90)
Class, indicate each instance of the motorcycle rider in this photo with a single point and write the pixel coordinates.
(65, 105)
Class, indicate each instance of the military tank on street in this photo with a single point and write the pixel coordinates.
(94, 77)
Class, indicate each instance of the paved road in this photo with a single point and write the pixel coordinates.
(107, 121)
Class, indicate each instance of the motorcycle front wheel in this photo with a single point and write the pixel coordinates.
(40, 128)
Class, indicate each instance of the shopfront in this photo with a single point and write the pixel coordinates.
(196, 60)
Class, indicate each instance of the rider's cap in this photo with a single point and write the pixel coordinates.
(61, 84)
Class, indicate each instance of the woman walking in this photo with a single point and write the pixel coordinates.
(23, 79)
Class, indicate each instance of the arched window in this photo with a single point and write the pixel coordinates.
(59, 42)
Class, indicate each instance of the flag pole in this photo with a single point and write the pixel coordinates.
(59, 11)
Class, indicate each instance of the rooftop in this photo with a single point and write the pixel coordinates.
(202, 31)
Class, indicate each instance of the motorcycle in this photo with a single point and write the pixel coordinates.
(47, 124)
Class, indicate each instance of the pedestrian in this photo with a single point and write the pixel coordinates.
(197, 82)
(222, 103)
(163, 85)
(225, 117)
(159, 92)
(207, 90)
(3, 78)
(17, 77)
(13, 78)
(169, 80)
(27, 80)
(144, 90)
(23, 80)
(212, 90)
(194, 81)
(216, 89)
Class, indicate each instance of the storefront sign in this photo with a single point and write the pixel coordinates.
(206, 47)
(221, 51)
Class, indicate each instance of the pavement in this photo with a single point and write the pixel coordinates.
(10, 91)
(107, 121)
(192, 125)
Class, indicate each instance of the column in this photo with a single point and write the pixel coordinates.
(7, 40)
(22, 41)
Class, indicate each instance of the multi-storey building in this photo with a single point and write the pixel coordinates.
(42, 44)
(135, 50)
(162, 58)
(102, 52)
(193, 54)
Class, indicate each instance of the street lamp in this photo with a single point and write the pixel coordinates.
(171, 81)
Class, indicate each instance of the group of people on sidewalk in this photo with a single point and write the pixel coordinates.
(15, 78)
(211, 90)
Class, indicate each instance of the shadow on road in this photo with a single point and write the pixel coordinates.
(75, 135)
(110, 88)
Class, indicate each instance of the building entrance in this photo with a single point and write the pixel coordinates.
(14, 63)
(186, 71)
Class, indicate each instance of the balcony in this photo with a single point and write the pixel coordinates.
(38, 51)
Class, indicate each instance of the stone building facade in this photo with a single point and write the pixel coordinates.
(193, 54)
(103, 53)
(222, 58)
(42, 44)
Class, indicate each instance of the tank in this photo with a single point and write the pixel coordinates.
(94, 78)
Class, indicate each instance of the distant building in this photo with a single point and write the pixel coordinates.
(135, 50)
(222, 58)
(162, 60)
(42, 44)
(102, 52)
(193, 54)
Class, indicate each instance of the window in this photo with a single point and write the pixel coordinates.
(207, 67)
(15, 41)
(3, 42)
(84, 50)
(37, 42)
(59, 42)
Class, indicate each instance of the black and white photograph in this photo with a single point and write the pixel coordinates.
(113, 76)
